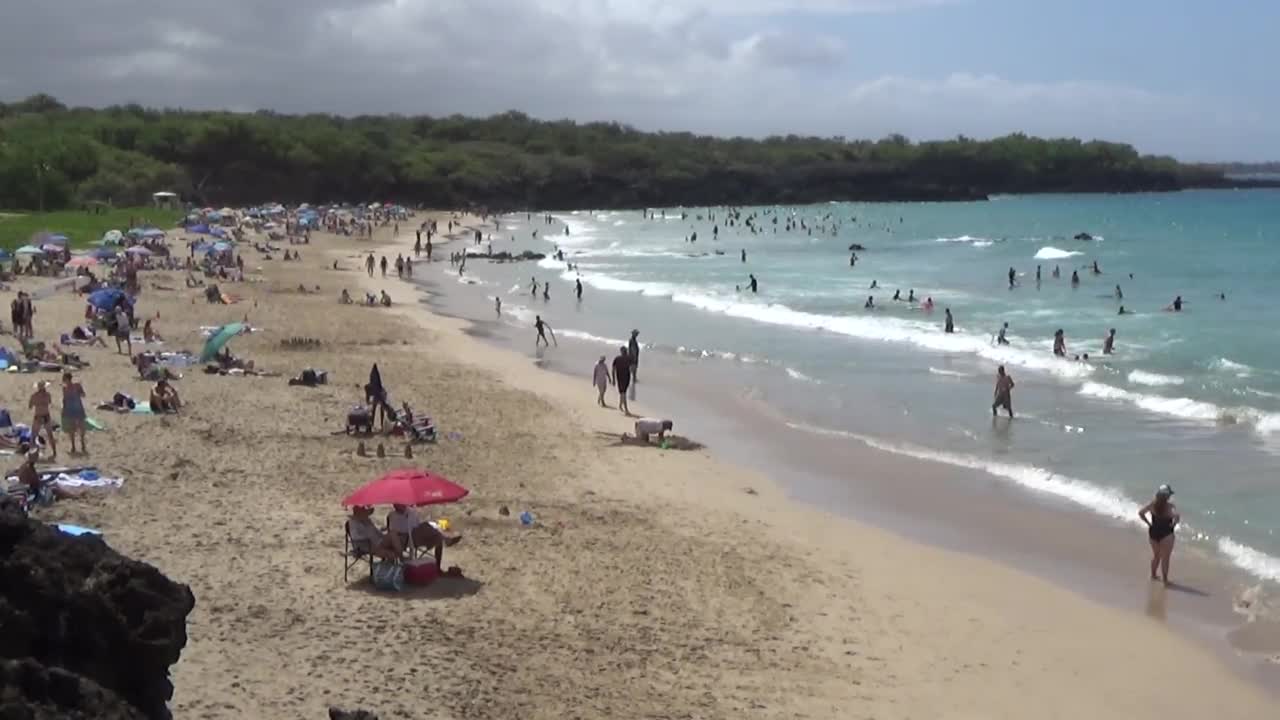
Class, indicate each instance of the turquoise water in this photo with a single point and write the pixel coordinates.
(1191, 399)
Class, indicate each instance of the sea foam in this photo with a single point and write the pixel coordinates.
(1052, 253)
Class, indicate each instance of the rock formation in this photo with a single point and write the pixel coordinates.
(84, 631)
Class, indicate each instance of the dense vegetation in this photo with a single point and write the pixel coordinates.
(83, 226)
(52, 156)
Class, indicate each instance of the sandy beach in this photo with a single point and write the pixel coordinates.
(652, 583)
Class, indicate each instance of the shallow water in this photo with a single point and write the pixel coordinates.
(1191, 399)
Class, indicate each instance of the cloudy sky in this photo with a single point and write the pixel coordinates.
(1191, 78)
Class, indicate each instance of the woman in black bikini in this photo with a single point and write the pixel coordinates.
(1161, 517)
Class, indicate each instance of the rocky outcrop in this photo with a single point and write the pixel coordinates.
(84, 631)
(504, 256)
(338, 714)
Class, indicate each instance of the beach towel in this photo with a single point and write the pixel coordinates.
(88, 479)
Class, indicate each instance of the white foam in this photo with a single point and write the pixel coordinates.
(1186, 408)
(982, 243)
(1230, 366)
(961, 239)
(584, 335)
(948, 373)
(1101, 500)
(1142, 377)
(1256, 562)
(1052, 253)
(797, 375)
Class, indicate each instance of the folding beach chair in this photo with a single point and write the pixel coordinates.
(408, 550)
(353, 553)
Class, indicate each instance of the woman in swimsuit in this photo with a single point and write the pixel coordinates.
(1161, 517)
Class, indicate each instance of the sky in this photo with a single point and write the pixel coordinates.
(1189, 78)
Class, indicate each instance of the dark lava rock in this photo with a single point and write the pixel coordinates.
(1083, 236)
(82, 626)
(337, 714)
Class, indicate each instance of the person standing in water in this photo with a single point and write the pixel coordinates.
(1003, 397)
(633, 351)
(949, 325)
(1119, 293)
(546, 291)
(1059, 343)
(497, 305)
(1109, 343)
(542, 328)
(1162, 518)
(1013, 278)
(744, 254)
(1000, 337)
(870, 304)
(1075, 278)
(601, 379)
(753, 284)
(578, 288)
(533, 289)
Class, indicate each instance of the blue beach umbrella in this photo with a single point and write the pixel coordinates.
(5, 255)
(152, 232)
(103, 253)
(106, 298)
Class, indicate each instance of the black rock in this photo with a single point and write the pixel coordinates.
(83, 626)
(339, 714)
(1083, 236)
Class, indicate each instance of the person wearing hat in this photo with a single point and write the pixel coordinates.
(1161, 517)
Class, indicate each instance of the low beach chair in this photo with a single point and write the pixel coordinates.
(408, 550)
(417, 429)
(353, 553)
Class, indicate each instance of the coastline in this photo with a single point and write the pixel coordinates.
(483, 344)
(651, 584)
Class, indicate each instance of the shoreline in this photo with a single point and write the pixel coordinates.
(651, 583)
(1209, 635)
(1043, 545)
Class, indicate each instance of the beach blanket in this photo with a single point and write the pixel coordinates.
(88, 479)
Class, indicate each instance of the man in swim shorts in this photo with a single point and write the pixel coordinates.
(1003, 393)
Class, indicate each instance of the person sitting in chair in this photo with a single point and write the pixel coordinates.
(367, 538)
(408, 529)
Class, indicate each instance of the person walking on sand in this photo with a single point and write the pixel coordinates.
(601, 379)
(368, 264)
(1162, 518)
(542, 328)
(428, 247)
(73, 412)
(1003, 393)
(497, 305)
(384, 266)
(622, 378)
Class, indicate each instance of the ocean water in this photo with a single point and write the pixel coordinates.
(1190, 398)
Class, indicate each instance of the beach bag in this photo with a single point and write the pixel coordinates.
(388, 576)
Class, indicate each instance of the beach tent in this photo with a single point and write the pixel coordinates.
(219, 339)
(112, 237)
(28, 250)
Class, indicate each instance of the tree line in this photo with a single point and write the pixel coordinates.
(54, 156)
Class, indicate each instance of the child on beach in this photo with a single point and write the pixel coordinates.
(601, 379)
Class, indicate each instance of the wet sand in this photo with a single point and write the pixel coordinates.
(652, 584)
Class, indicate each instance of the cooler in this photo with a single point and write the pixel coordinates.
(421, 571)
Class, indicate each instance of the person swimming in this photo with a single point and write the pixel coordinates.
(1122, 311)
(1075, 278)
(1177, 304)
(911, 295)
(897, 294)
(1109, 344)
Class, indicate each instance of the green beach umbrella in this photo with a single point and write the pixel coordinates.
(112, 237)
(28, 250)
(220, 338)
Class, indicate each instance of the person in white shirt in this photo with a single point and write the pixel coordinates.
(600, 378)
(651, 426)
(409, 529)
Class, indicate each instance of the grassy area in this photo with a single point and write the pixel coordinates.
(83, 227)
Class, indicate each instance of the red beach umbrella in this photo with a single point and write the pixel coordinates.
(407, 486)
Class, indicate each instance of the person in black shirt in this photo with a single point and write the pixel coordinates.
(633, 350)
(622, 378)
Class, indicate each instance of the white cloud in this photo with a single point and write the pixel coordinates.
(716, 66)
